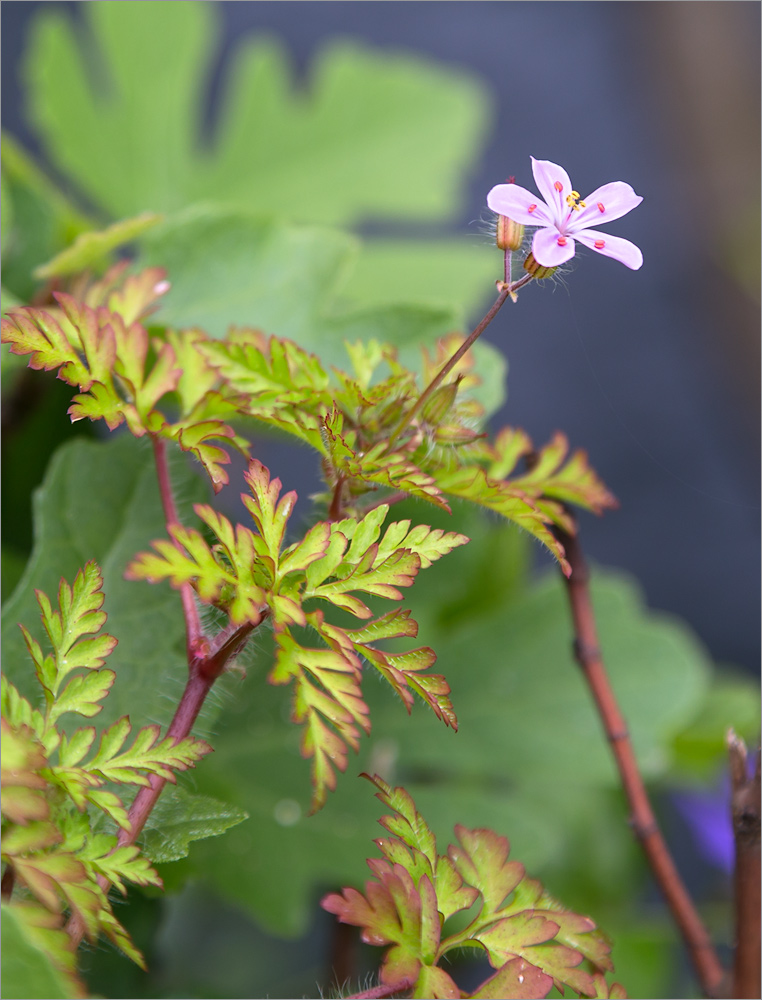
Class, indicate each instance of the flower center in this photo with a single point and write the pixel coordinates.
(572, 200)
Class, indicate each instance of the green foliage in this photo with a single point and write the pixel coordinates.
(247, 575)
(130, 139)
(52, 841)
(530, 938)
(179, 818)
(37, 961)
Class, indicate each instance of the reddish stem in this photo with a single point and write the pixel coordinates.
(384, 990)
(506, 290)
(587, 652)
(193, 632)
(745, 807)
(7, 883)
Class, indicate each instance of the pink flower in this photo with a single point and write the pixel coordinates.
(563, 217)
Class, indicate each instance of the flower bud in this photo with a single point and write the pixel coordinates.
(537, 270)
(510, 234)
(440, 402)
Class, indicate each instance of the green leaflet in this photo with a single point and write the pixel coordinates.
(179, 818)
(413, 885)
(100, 501)
(27, 968)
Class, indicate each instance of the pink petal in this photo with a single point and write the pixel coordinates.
(546, 176)
(548, 251)
(611, 246)
(606, 203)
(520, 205)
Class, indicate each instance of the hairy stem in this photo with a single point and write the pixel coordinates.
(587, 652)
(385, 990)
(745, 807)
(506, 290)
(193, 632)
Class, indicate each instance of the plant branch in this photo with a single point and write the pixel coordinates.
(384, 990)
(8, 882)
(587, 652)
(203, 672)
(745, 807)
(193, 634)
(506, 291)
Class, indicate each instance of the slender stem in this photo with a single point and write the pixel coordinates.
(385, 990)
(336, 510)
(506, 290)
(193, 634)
(587, 652)
(745, 807)
(203, 672)
(7, 883)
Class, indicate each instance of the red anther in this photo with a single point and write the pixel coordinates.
(601, 207)
(531, 208)
(558, 186)
(599, 244)
(562, 241)
(511, 180)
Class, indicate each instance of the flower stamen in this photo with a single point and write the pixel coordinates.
(572, 200)
(601, 207)
(599, 244)
(558, 186)
(531, 208)
(562, 241)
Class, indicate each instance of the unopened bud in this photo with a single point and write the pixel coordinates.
(537, 270)
(440, 402)
(510, 234)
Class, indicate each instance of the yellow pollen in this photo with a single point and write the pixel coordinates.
(572, 200)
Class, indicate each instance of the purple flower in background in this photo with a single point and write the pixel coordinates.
(708, 816)
(563, 217)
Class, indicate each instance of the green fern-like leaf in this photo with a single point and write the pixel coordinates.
(530, 938)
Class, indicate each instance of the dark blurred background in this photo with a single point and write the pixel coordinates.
(655, 373)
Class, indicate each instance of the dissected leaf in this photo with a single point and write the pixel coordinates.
(93, 248)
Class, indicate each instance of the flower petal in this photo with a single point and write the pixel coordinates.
(546, 176)
(606, 203)
(547, 249)
(519, 205)
(611, 246)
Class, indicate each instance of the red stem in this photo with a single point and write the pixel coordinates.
(207, 659)
(587, 652)
(194, 638)
(384, 990)
(505, 292)
(745, 807)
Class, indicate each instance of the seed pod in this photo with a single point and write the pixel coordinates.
(510, 234)
(537, 270)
